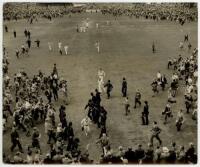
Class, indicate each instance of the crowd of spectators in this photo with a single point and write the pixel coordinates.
(173, 12)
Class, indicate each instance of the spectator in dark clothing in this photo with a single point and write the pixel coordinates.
(145, 114)
(62, 113)
(94, 100)
(190, 154)
(38, 43)
(48, 95)
(47, 159)
(15, 140)
(137, 98)
(29, 43)
(124, 87)
(155, 133)
(55, 91)
(103, 130)
(15, 34)
(139, 153)
(35, 138)
(98, 97)
(28, 34)
(130, 156)
(172, 154)
(70, 130)
(149, 155)
(25, 32)
(109, 88)
(6, 28)
(51, 135)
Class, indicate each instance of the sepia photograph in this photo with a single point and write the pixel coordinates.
(99, 83)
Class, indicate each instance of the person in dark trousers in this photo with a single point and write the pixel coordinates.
(153, 48)
(186, 38)
(155, 133)
(124, 87)
(38, 43)
(89, 105)
(190, 155)
(109, 88)
(48, 95)
(6, 28)
(93, 98)
(55, 91)
(163, 82)
(145, 114)
(19, 121)
(189, 46)
(17, 53)
(172, 154)
(31, 21)
(51, 135)
(149, 155)
(15, 140)
(98, 97)
(137, 98)
(35, 138)
(29, 43)
(102, 117)
(25, 33)
(15, 34)
(77, 28)
(103, 130)
(28, 34)
(188, 104)
(139, 153)
(70, 130)
(167, 112)
(55, 71)
(62, 113)
(130, 156)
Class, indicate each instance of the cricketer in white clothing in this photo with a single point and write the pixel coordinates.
(101, 74)
(85, 125)
(66, 49)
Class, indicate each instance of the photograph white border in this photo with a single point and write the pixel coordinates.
(86, 1)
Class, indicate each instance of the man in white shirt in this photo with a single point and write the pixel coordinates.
(181, 45)
(50, 47)
(97, 45)
(101, 74)
(159, 76)
(85, 125)
(66, 49)
(100, 85)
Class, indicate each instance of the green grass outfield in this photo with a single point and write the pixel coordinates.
(125, 51)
